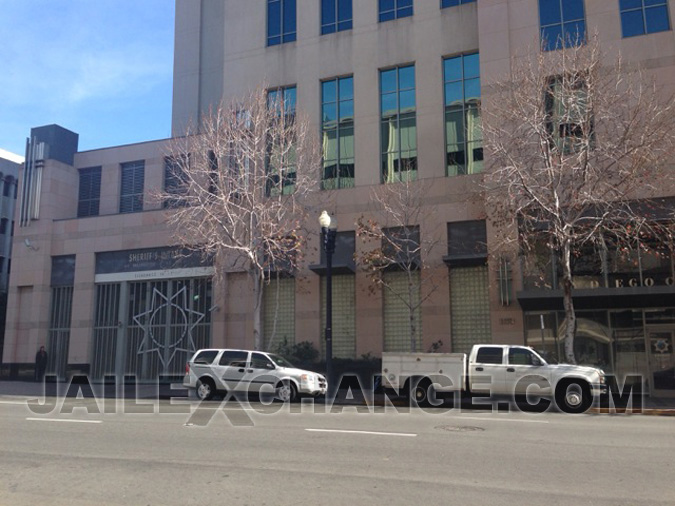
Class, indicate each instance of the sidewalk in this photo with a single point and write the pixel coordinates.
(650, 406)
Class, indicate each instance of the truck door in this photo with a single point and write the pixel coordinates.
(486, 372)
(525, 370)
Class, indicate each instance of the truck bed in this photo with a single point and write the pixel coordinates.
(446, 370)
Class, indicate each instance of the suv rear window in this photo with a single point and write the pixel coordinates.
(206, 357)
(489, 355)
(235, 358)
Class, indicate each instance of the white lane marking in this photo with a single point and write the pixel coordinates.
(483, 419)
(24, 403)
(399, 434)
(70, 420)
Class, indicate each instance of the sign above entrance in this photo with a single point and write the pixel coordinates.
(152, 263)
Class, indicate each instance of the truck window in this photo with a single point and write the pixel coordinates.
(518, 356)
(489, 355)
(234, 358)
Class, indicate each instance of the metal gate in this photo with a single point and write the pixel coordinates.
(149, 329)
(58, 339)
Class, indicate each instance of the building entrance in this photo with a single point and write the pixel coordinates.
(149, 329)
(661, 359)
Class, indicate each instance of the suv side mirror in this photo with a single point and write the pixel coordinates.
(536, 361)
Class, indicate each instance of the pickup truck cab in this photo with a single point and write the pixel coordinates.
(218, 371)
(504, 370)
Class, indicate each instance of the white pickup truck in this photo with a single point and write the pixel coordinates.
(491, 369)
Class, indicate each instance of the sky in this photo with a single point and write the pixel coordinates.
(101, 68)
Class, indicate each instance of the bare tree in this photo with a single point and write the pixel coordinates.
(578, 147)
(399, 213)
(239, 187)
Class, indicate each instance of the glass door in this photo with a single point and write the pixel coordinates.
(661, 359)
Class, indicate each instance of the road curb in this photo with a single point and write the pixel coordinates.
(630, 411)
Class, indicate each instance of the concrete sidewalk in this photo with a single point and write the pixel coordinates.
(164, 391)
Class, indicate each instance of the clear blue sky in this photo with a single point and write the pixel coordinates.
(101, 68)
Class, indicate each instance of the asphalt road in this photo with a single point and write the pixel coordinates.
(259, 455)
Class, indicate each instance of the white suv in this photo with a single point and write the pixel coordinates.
(218, 371)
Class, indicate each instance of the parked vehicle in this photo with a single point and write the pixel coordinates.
(219, 371)
(494, 370)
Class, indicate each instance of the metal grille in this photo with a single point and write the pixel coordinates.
(133, 181)
(469, 308)
(168, 321)
(58, 339)
(344, 320)
(279, 312)
(106, 328)
(397, 334)
(148, 329)
(89, 195)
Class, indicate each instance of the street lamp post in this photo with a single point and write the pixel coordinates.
(329, 231)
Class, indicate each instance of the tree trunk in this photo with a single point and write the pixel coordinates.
(257, 310)
(411, 315)
(568, 303)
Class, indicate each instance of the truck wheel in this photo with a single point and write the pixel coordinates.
(205, 389)
(286, 391)
(419, 391)
(573, 396)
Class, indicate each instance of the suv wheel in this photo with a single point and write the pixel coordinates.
(205, 389)
(286, 392)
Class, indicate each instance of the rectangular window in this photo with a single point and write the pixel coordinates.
(452, 3)
(487, 355)
(281, 21)
(336, 16)
(467, 241)
(281, 166)
(337, 133)
(463, 132)
(133, 181)
(394, 9)
(398, 124)
(175, 181)
(639, 17)
(562, 23)
(89, 194)
(569, 119)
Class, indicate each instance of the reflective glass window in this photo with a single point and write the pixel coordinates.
(639, 17)
(337, 132)
(452, 3)
(281, 21)
(463, 131)
(394, 9)
(398, 124)
(562, 23)
(336, 16)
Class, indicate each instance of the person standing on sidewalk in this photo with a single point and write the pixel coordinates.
(40, 364)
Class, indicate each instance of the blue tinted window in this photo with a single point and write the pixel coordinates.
(281, 21)
(463, 132)
(562, 23)
(452, 3)
(337, 131)
(639, 17)
(398, 121)
(336, 16)
(393, 9)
